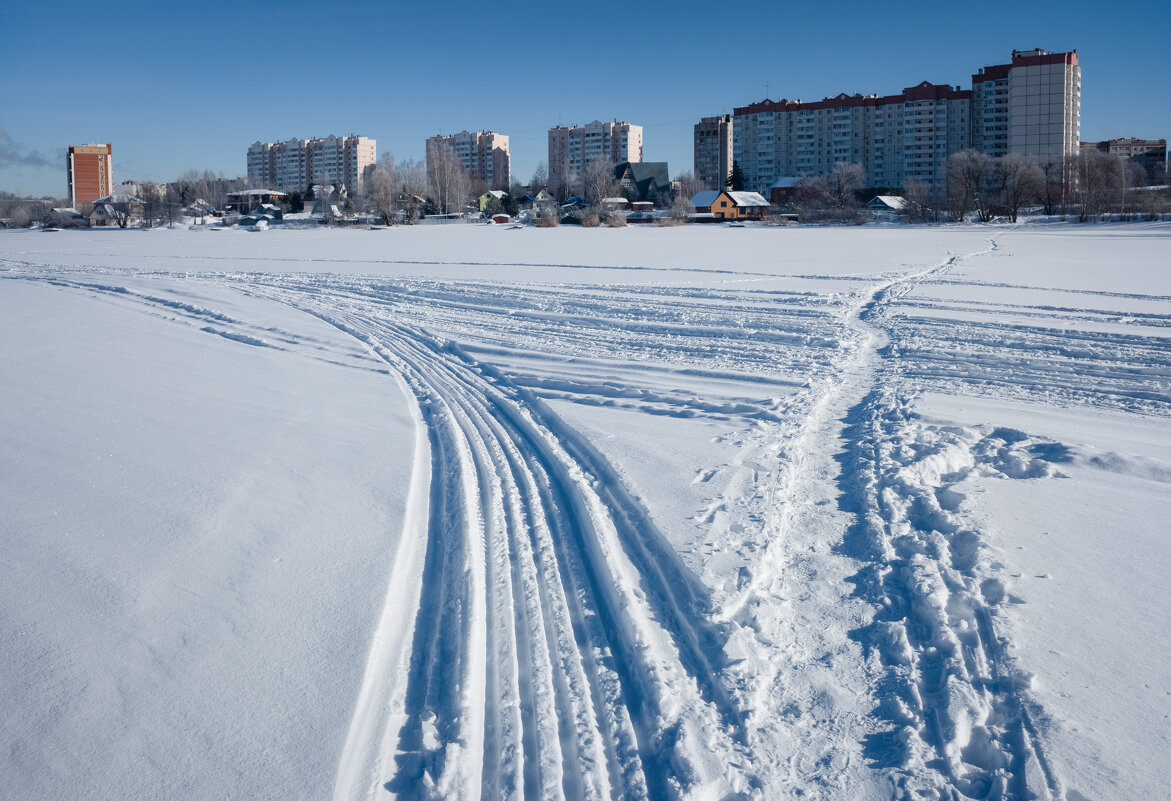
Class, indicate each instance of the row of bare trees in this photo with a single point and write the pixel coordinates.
(832, 197)
(392, 187)
(1089, 184)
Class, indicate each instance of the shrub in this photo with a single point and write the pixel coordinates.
(548, 219)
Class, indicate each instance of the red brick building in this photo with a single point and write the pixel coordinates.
(91, 173)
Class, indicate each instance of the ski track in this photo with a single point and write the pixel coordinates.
(540, 638)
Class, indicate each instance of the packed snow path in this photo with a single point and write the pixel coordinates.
(837, 631)
(560, 648)
(555, 658)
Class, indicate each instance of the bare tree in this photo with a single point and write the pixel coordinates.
(833, 196)
(919, 206)
(1132, 176)
(172, 203)
(412, 178)
(540, 177)
(151, 195)
(449, 181)
(689, 185)
(597, 181)
(382, 189)
(970, 185)
(681, 207)
(1097, 178)
(1053, 192)
(843, 183)
(1021, 182)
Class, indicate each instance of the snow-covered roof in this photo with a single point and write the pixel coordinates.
(247, 192)
(892, 202)
(67, 212)
(785, 182)
(615, 200)
(747, 199)
(496, 193)
(118, 197)
(705, 198)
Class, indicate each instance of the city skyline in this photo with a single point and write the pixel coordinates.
(407, 74)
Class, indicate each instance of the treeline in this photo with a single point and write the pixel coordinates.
(1090, 186)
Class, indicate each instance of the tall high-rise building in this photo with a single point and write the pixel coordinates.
(1031, 106)
(484, 154)
(572, 149)
(713, 151)
(296, 164)
(90, 170)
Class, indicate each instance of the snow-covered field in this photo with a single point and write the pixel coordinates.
(473, 512)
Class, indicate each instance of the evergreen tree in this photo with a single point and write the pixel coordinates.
(736, 179)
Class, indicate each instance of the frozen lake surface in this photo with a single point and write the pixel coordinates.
(475, 512)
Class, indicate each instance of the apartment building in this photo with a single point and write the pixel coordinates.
(89, 172)
(896, 138)
(1150, 154)
(572, 149)
(484, 155)
(296, 164)
(713, 151)
(1030, 106)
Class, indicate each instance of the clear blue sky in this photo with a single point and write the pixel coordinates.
(187, 85)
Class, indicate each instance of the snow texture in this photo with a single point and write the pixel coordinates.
(472, 512)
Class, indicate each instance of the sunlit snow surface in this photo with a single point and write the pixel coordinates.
(468, 512)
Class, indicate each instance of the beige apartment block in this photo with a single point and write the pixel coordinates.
(296, 164)
(1030, 106)
(1150, 154)
(1044, 105)
(895, 138)
(484, 155)
(572, 149)
(713, 151)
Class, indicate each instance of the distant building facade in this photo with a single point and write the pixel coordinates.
(90, 172)
(713, 151)
(572, 149)
(1150, 154)
(297, 164)
(484, 155)
(1030, 106)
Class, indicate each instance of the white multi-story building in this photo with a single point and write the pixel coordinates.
(1031, 106)
(295, 165)
(1045, 104)
(572, 149)
(896, 138)
(484, 154)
